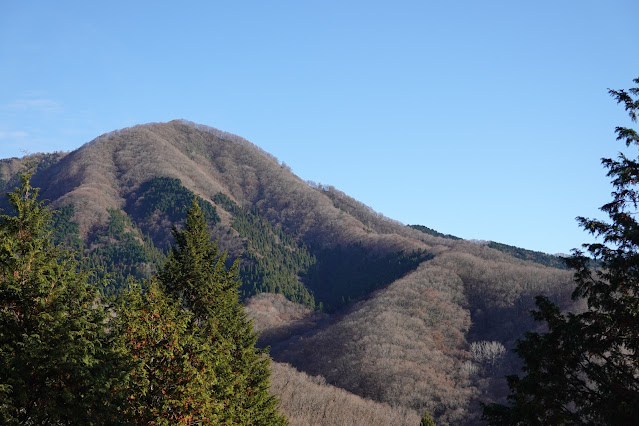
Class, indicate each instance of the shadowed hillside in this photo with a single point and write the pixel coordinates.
(406, 340)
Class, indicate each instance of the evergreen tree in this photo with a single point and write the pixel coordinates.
(52, 339)
(585, 369)
(196, 275)
(172, 373)
(427, 420)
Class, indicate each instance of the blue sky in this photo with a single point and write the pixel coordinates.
(485, 119)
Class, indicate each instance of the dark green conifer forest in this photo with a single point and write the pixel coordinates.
(195, 274)
(53, 342)
(274, 260)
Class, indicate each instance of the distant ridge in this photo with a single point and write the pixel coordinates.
(554, 261)
(427, 230)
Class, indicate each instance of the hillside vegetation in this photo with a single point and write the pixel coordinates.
(386, 312)
(309, 401)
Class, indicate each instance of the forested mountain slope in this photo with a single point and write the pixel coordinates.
(119, 171)
(383, 310)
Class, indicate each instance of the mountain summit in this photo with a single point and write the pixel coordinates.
(389, 312)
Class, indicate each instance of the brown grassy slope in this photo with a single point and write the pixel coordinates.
(403, 346)
(310, 401)
(278, 319)
(257, 179)
(501, 292)
(407, 345)
(103, 172)
(501, 289)
(9, 167)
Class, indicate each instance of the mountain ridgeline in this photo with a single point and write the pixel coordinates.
(381, 310)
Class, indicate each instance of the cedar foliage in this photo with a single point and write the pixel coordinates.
(195, 274)
(274, 260)
(168, 196)
(173, 372)
(585, 369)
(65, 230)
(119, 254)
(52, 341)
(427, 420)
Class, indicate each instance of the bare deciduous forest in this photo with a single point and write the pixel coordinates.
(309, 400)
(434, 333)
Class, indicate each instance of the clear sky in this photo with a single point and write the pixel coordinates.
(483, 119)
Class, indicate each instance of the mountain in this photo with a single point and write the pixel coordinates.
(383, 311)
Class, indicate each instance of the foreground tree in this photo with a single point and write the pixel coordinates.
(585, 368)
(195, 274)
(52, 339)
(172, 373)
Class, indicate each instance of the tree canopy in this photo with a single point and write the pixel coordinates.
(176, 350)
(195, 274)
(173, 374)
(53, 345)
(585, 368)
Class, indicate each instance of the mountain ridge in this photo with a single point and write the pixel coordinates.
(292, 237)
